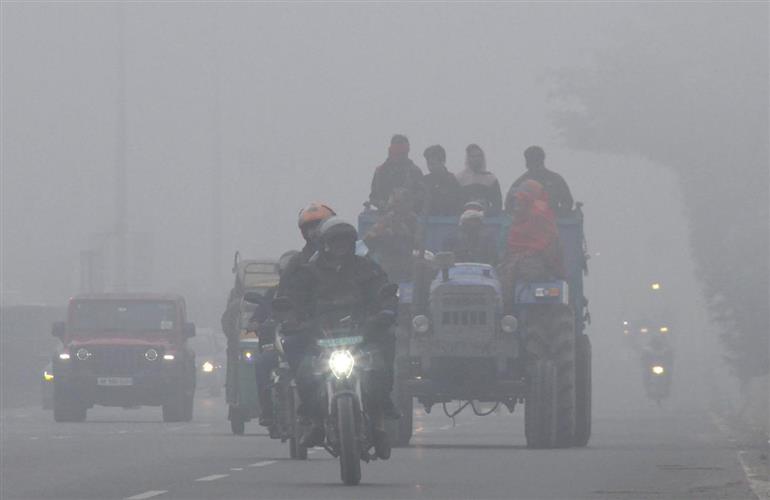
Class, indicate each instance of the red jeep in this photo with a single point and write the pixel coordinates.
(124, 350)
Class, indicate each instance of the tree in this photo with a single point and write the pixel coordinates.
(688, 88)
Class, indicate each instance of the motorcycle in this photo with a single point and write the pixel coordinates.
(283, 392)
(657, 380)
(281, 389)
(352, 416)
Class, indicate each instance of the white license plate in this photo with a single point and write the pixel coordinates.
(115, 381)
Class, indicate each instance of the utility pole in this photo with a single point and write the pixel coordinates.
(121, 226)
(216, 159)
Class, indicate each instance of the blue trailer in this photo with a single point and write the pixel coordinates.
(458, 339)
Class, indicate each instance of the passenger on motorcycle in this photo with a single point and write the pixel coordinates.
(336, 284)
(267, 359)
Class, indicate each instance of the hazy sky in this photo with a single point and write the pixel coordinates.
(308, 96)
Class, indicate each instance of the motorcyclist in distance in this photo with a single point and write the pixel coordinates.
(335, 284)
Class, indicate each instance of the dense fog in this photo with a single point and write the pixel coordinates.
(656, 116)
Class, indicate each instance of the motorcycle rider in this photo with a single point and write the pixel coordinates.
(267, 359)
(337, 282)
(309, 221)
(559, 195)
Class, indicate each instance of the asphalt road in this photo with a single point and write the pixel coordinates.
(649, 454)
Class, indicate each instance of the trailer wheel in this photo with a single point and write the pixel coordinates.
(67, 409)
(583, 391)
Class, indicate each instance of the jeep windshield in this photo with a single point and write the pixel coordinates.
(123, 316)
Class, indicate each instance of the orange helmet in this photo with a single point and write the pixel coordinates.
(314, 213)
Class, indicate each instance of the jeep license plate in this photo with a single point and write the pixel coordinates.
(115, 381)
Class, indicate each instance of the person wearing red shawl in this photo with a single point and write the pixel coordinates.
(533, 251)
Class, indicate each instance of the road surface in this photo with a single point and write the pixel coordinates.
(655, 454)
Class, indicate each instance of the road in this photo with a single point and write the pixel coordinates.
(650, 454)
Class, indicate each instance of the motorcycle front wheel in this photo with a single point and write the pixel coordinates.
(350, 445)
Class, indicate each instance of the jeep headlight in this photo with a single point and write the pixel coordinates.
(658, 370)
(509, 324)
(83, 354)
(341, 363)
(151, 354)
(420, 324)
(207, 367)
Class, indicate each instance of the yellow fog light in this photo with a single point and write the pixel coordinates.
(47, 376)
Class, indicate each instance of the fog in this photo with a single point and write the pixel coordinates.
(277, 105)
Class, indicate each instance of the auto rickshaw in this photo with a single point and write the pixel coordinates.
(241, 380)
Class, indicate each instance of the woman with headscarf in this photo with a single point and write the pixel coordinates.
(533, 251)
(478, 183)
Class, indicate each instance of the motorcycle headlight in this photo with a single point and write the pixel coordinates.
(509, 324)
(150, 354)
(207, 367)
(658, 370)
(420, 324)
(83, 354)
(248, 355)
(341, 363)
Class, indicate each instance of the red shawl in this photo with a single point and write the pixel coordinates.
(534, 224)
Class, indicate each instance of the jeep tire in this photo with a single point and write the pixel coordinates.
(66, 409)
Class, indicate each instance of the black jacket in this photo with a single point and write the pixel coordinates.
(330, 292)
(559, 195)
(444, 195)
(394, 174)
(481, 248)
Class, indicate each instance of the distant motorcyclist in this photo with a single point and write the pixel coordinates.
(398, 171)
(559, 195)
(392, 238)
(478, 183)
(337, 283)
(472, 242)
(444, 194)
(657, 351)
